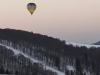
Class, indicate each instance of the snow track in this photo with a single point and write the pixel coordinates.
(16, 52)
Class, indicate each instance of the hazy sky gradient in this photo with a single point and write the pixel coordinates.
(70, 20)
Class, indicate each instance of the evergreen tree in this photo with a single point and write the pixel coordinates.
(2, 71)
(57, 62)
(7, 72)
(84, 74)
(78, 66)
(34, 73)
(72, 73)
(16, 72)
(66, 72)
(81, 73)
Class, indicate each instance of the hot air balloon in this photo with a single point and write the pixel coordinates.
(31, 7)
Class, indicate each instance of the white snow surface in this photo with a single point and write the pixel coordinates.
(70, 68)
(79, 45)
(16, 52)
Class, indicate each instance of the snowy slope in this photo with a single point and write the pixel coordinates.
(16, 52)
(78, 44)
(97, 43)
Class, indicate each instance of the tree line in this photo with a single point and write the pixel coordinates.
(53, 52)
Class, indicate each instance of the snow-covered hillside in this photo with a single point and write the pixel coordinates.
(97, 43)
(78, 44)
(16, 52)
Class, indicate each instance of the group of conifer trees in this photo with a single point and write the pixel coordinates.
(7, 71)
(18, 64)
(53, 52)
(53, 58)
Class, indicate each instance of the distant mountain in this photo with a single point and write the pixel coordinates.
(80, 45)
(97, 43)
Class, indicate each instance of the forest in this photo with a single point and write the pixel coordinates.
(51, 51)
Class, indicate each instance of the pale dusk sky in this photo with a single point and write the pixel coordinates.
(70, 20)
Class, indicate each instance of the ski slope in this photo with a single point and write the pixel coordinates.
(16, 52)
(79, 45)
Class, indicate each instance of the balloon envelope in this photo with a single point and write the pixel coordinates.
(31, 7)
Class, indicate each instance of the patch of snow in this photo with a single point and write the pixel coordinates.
(70, 68)
(15, 51)
(79, 45)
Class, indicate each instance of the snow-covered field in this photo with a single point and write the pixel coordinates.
(78, 44)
